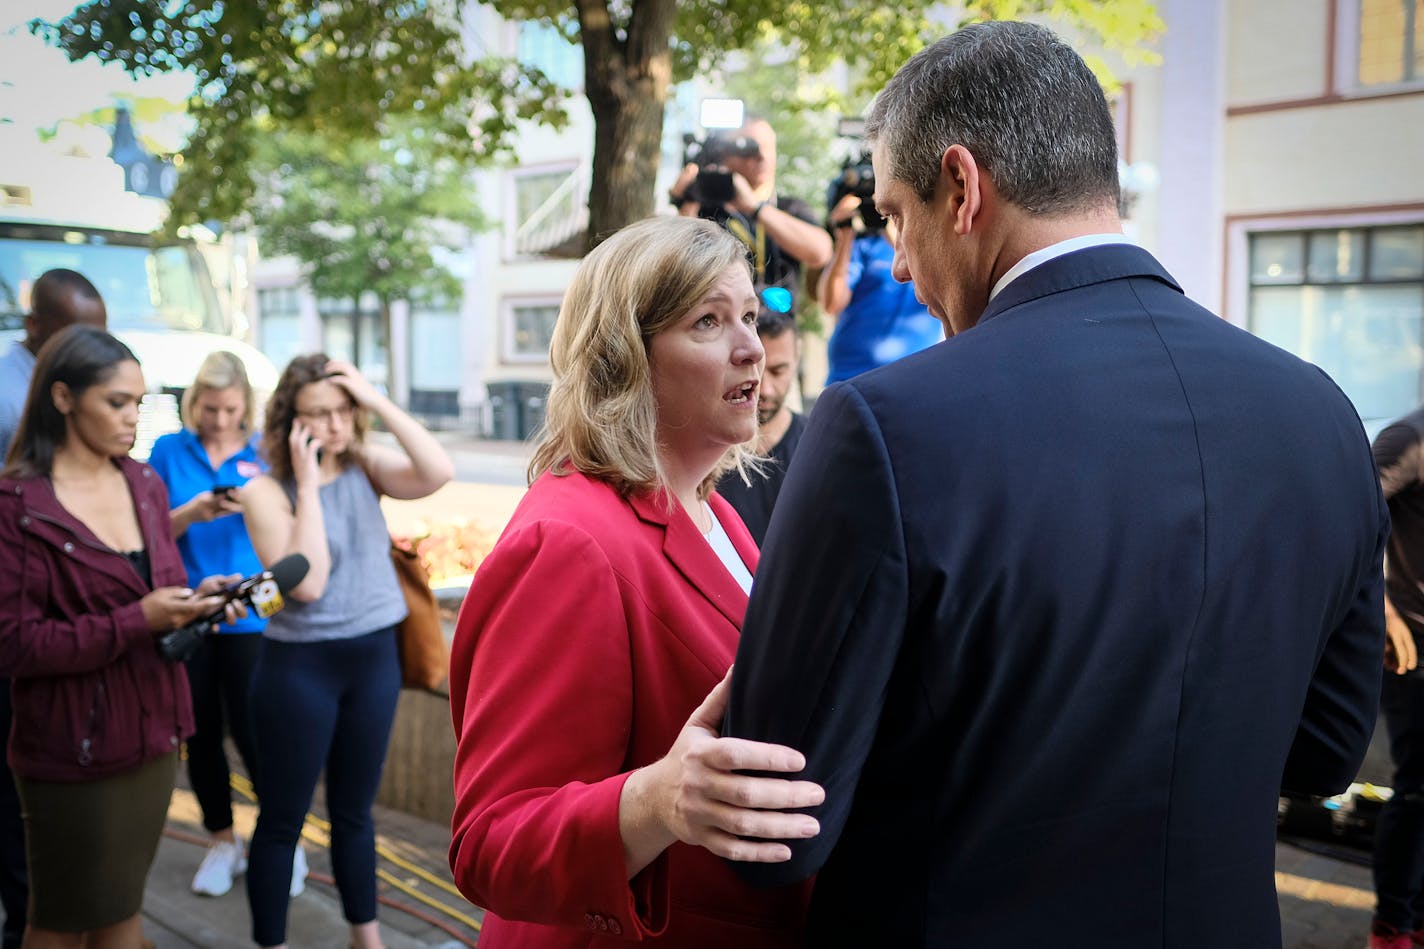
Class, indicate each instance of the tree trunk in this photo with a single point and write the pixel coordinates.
(626, 81)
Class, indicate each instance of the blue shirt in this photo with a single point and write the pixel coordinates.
(16, 367)
(217, 546)
(883, 320)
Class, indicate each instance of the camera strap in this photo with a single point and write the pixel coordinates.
(755, 239)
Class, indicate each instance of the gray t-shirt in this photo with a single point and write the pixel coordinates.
(362, 594)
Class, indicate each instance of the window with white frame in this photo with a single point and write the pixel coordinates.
(546, 206)
(529, 328)
(1383, 42)
(1351, 301)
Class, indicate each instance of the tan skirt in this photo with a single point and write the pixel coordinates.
(89, 844)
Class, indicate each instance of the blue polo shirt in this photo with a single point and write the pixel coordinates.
(883, 320)
(221, 545)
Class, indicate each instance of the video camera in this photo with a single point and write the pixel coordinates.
(857, 177)
(714, 182)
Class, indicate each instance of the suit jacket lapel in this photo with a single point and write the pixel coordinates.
(688, 551)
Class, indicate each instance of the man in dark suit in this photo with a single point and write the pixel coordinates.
(1055, 608)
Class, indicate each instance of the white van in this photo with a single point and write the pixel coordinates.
(73, 213)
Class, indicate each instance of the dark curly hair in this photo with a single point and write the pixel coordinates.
(282, 410)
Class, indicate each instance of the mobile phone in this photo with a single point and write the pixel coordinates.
(225, 488)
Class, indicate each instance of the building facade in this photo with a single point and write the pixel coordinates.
(1272, 162)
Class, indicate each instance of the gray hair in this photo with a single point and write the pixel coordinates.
(1020, 100)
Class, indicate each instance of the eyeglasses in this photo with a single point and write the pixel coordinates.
(343, 412)
(777, 298)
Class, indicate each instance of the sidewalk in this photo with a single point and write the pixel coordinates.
(418, 907)
(1325, 903)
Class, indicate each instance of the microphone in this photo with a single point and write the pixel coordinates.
(262, 592)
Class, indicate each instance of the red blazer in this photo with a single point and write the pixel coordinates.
(591, 632)
(92, 697)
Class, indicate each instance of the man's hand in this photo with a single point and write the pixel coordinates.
(1400, 653)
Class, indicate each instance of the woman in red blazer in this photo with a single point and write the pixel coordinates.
(594, 798)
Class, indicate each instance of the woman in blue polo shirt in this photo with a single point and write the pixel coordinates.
(204, 465)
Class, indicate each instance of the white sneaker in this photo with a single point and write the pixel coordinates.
(221, 863)
(299, 871)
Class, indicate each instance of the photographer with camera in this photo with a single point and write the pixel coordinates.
(731, 179)
(878, 320)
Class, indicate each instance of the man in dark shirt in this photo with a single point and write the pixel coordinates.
(1399, 838)
(782, 234)
(780, 428)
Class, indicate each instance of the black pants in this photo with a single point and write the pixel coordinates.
(220, 676)
(14, 883)
(319, 706)
(1399, 836)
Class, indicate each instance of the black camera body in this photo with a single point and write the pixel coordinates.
(857, 177)
(713, 185)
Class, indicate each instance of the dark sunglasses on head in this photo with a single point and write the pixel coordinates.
(777, 298)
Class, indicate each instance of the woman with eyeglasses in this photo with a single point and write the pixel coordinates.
(327, 679)
(594, 800)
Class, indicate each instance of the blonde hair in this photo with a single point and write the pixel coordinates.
(220, 370)
(601, 417)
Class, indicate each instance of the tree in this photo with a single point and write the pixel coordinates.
(333, 67)
(635, 49)
(365, 215)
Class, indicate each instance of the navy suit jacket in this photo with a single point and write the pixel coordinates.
(1054, 608)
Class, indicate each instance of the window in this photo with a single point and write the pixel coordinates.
(544, 47)
(280, 324)
(1350, 300)
(1391, 48)
(550, 207)
(435, 348)
(355, 334)
(533, 189)
(529, 328)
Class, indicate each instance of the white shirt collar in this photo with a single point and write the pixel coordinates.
(1044, 254)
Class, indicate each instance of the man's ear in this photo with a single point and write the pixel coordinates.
(959, 175)
(62, 397)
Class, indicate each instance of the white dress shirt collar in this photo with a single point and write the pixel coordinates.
(1044, 254)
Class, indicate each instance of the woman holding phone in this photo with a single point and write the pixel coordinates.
(204, 465)
(89, 578)
(325, 688)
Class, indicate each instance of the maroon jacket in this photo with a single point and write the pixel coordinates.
(91, 695)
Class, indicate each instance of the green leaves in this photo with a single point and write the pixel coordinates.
(364, 214)
(341, 70)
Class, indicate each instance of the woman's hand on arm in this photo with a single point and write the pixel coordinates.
(694, 794)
